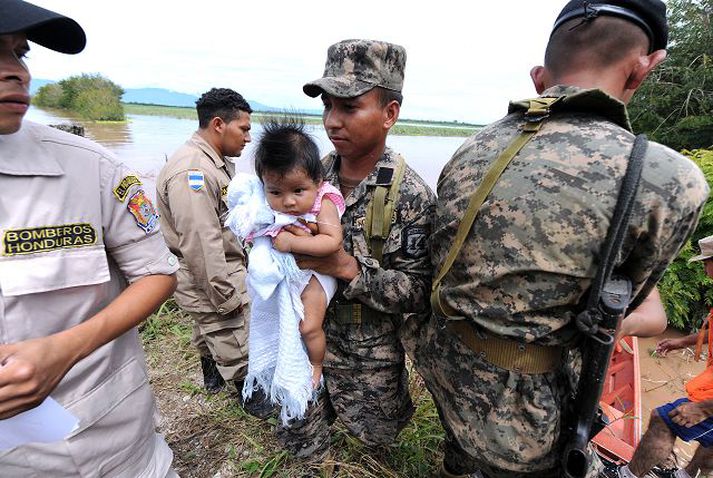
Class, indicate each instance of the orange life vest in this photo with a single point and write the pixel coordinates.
(700, 387)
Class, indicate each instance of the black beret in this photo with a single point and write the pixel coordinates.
(649, 15)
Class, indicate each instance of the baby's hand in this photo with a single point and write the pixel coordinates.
(283, 241)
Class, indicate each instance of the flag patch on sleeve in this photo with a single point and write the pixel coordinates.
(196, 181)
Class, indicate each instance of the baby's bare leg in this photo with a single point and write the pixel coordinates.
(315, 304)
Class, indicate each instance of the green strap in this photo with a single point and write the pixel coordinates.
(381, 209)
(539, 110)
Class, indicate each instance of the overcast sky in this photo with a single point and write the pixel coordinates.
(465, 59)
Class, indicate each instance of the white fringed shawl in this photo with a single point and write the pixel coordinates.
(278, 361)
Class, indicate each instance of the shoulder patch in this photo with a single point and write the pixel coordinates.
(224, 191)
(143, 211)
(196, 181)
(122, 190)
(414, 242)
(34, 240)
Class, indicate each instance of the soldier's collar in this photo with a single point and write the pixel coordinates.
(208, 150)
(592, 101)
(383, 172)
(24, 153)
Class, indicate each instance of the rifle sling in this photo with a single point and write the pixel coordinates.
(537, 112)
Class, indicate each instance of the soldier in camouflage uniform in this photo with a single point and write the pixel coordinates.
(366, 382)
(492, 357)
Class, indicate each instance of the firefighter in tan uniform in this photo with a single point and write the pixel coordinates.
(191, 195)
(76, 228)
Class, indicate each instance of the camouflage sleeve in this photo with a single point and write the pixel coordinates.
(402, 283)
(670, 222)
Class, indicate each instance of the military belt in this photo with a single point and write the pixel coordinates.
(355, 313)
(507, 354)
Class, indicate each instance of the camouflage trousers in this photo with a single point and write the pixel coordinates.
(504, 423)
(225, 339)
(366, 387)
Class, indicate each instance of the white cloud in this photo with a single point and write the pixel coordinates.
(465, 59)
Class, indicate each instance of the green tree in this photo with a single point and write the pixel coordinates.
(93, 97)
(686, 291)
(48, 96)
(675, 105)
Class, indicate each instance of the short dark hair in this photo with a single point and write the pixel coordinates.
(220, 102)
(285, 145)
(595, 44)
(386, 96)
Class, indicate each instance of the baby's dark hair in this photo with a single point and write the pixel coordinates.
(285, 145)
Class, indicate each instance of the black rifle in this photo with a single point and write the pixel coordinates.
(608, 299)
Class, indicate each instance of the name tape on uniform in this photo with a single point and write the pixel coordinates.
(122, 190)
(34, 240)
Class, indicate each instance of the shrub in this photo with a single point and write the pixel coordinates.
(686, 291)
(93, 97)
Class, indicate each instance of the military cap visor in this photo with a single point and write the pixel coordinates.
(44, 27)
(649, 15)
(337, 86)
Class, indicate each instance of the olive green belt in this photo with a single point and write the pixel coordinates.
(355, 313)
(507, 354)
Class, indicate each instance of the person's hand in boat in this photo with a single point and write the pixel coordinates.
(666, 345)
(688, 414)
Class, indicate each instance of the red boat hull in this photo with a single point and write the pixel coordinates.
(621, 402)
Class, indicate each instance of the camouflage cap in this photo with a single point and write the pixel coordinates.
(356, 66)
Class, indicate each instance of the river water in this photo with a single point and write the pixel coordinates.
(145, 142)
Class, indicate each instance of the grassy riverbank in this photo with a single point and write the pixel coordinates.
(212, 437)
(404, 127)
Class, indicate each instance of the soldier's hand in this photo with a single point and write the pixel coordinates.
(340, 264)
(312, 226)
(283, 241)
(688, 414)
(29, 371)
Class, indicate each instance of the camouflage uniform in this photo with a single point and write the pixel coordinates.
(366, 382)
(530, 257)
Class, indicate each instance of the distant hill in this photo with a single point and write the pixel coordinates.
(163, 97)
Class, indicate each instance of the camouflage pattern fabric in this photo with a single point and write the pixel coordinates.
(354, 67)
(528, 260)
(365, 376)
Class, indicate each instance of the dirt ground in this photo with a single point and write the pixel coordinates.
(663, 380)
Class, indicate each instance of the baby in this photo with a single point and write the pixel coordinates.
(287, 161)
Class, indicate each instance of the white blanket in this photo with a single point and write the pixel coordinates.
(277, 361)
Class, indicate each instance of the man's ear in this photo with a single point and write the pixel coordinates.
(537, 74)
(643, 67)
(217, 124)
(391, 113)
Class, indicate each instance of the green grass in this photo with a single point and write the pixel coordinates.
(212, 433)
(404, 128)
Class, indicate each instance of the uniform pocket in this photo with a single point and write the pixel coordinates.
(116, 431)
(44, 272)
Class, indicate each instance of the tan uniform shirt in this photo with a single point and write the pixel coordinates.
(191, 194)
(75, 227)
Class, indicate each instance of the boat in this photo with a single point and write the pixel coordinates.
(621, 403)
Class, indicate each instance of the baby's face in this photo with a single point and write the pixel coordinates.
(294, 193)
